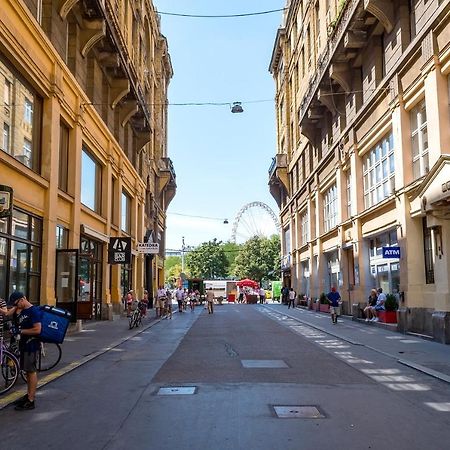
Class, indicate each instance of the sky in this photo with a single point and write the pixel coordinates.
(221, 159)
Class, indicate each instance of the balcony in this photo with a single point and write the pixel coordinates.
(278, 176)
(167, 179)
(285, 262)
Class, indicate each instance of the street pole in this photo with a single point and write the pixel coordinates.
(182, 254)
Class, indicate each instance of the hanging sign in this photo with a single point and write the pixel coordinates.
(6, 200)
(148, 247)
(119, 250)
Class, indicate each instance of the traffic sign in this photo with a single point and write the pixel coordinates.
(148, 247)
(119, 251)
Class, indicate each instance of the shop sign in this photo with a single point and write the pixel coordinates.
(391, 252)
(6, 200)
(148, 247)
(119, 250)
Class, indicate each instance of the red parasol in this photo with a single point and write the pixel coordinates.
(248, 283)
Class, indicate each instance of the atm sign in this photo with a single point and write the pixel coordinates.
(391, 252)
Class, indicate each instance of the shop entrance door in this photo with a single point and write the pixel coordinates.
(85, 287)
(66, 281)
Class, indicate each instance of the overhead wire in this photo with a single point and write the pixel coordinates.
(221, 16)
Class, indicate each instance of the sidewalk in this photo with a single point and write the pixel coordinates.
(80, 347)
(423, 355)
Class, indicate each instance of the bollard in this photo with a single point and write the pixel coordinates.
(79, 325)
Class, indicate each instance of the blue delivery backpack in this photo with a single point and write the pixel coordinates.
(54, 323)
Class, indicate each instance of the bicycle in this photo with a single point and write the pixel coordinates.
(48, 356)
(9, 366)
(135, 320)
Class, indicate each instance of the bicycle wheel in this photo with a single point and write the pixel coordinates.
(9, 371)
(48, 356)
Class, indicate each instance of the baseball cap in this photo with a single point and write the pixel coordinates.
(16, 295)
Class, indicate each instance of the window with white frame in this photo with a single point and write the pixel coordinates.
(330, 209)
(126, 213)
(28, 112)
(304, 220)
(6, 137)
(419, 140)
(349, 193)
(379, 172)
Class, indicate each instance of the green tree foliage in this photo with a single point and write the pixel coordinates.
(208, 261)
(172, 269)
(259, 259)
(231, 251)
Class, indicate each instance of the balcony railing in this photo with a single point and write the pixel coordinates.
(325, 58)
(278, 162)
(168, 166)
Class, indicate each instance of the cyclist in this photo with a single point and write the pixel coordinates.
(29, 318)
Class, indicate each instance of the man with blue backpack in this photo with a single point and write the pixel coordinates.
(29, 320)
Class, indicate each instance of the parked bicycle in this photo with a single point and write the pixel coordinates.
(9, 366)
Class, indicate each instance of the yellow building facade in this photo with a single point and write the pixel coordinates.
(84, 151)
(362, 168)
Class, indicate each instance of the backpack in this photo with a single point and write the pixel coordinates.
(54, 322)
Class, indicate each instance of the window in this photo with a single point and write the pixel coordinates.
(349, 194)
(419, 138)
(20, 255)
(7, 93)
(428, 252)
(304, 220)
(379, 172)
(63, 157)
(113, 201)
(28, 111)
(330, 211)
(6, 138)
(125, 222)
(62, 237)
(91, 176)
(21, 114)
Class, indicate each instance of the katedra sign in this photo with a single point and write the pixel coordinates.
(148, 247)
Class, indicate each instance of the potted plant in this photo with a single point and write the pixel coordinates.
(324, 304)
(391, 306)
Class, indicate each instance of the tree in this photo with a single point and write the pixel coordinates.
(172, 269)
(259, 259)
(231, 251)
(208, 261)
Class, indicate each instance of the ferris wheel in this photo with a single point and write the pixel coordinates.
(254, 219)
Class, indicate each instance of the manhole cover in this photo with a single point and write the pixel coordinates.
(298, 412)
(264, 364)
(177, 390)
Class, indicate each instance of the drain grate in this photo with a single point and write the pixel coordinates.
(177, 390)
(298, 412)
(264, 364)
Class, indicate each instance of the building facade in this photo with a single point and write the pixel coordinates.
(362, 168)
(84, 150)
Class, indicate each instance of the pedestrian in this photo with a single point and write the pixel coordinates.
(334, 300)
(168, 306)
(379, 305)
(372, 301)
(262, 296)
(144, 303)
(285, 295)
(291, 298)
(29, 318)
(210, 300)
(129, 298)
(179, 295)
(160, 301)
(241, 295)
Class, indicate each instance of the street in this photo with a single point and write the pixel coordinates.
(353, 384)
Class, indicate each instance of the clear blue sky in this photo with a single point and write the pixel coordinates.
(221, 159)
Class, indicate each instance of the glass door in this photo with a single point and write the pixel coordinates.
(66, 281)
(85, 288)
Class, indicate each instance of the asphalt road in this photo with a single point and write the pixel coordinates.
(364, 400)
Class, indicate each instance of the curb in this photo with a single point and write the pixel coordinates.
(10, 398)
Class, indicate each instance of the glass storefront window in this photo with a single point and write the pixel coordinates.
(20, 255)
(62, 237)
